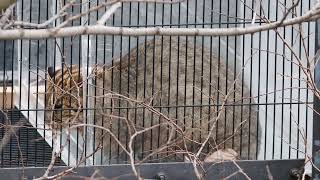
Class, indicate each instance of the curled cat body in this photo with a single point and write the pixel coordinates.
(164, 98)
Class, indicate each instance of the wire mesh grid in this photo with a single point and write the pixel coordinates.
(247, 87)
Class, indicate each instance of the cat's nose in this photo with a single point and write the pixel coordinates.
(58, 106)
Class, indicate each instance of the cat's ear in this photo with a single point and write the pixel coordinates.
(50, 71)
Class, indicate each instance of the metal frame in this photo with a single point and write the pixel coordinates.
(316, 106)
(276, 169)
(279, 169)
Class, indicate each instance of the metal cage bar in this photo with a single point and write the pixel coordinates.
(176, 69)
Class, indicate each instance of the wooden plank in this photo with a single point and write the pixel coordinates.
(7, 95)
(6, 98)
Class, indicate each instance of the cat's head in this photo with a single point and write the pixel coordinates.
(65, 93)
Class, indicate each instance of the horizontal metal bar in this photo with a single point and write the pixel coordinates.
(174, 106)
(278, 169)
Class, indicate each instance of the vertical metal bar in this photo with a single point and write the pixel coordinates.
(12, 85)
(87, 89)
(61, 56)
(3, 101)
(178, 62)
(144, 82)
(202, 77)
(161, 80)
(219, 69)
(129, 69)
(37, 91)
(234, 76)
(299, 91)
(282, 90)
(250, 89)
(258, 106)
(29, 74)
(102, 154)
(4, 79)
(71, 63)
(169, 68)
(307, 96)
(193, 75)
(210, 72)
(120, 83)
(112, 86)
(186, 69)
(79, 70)
(45, 87)
(275, 86)
(316, 108)
(267, 87)
(226, 80)
(309, 166)
(291, 95)
(56, 64)
(19, 52)
(5, 97)
(137, 74)
(95, 107)
(153, 74)
(242, 77)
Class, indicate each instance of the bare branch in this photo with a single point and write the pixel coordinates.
(269, 173)
(12, 130)
(6, 15)
(102, 30)
(108, 13)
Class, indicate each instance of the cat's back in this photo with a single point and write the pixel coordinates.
(188, 83)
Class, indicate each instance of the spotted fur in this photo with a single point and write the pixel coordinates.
(172, 83)
(64, 96)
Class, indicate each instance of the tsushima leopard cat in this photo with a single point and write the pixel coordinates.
(171, 78)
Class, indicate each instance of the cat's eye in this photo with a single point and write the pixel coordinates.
(76, 110)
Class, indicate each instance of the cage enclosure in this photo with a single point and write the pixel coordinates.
(33, 60)
(185, 78)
